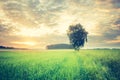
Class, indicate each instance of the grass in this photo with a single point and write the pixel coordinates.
(60, 65)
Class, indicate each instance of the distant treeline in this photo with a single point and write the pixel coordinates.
(104, 48)
(59, 46)
(67, 46)
(5, 47)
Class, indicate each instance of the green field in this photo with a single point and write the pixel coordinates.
(60, 65)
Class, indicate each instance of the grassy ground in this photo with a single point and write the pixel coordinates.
(60, 65)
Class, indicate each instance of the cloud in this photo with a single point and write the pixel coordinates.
(116, 3)
(113, 41)
(24, 20)
(109, 3)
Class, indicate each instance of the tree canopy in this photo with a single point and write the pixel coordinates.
(77, 36)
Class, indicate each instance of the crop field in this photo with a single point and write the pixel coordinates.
(60, 65)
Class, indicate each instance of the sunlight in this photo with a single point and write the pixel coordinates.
(91, 27)
(26, 43)
(33, 32)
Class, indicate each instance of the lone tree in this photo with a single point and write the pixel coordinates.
(77, 36)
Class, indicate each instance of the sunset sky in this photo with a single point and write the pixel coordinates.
(37, 23)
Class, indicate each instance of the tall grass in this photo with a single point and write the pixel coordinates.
(60, 65)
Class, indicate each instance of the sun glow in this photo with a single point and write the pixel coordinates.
(33, 32)
(26, 43)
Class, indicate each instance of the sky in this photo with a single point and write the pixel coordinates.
(38, 23)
